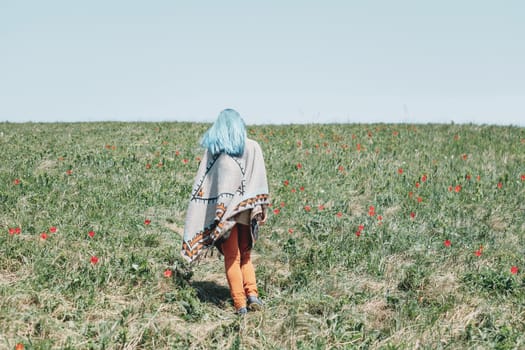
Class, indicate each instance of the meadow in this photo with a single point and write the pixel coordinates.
(379, 237)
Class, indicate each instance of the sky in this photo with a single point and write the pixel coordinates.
(273, 61)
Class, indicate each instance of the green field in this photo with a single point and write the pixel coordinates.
(380, 237)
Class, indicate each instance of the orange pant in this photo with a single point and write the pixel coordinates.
(238, 265)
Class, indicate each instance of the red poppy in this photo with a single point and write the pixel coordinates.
(12, 231)
(500, 185)
(148, 166)
(522, 177)
(159, 165)
(400, 171)
(419, 199)
(293, 190)
(185, 161)
(477, 252)
(358, 147)
(341, 168)
(457, 189)
(447, 243)
(69, 172)
(468, 177)
(379, 218)
(177, 153)
(16, 181)
(358, 233)
(320, 207)
(307, 208)
(301, 188)
(423, 178)
(450, 188)
(94, 260)
(464, 157)
(276, 211)
(52, 229)
(17, 230)
(147, 222)
(19, 346)
(417, 184)
(478, 178)
(339, 214)
(361, 227)
(299, 166)
(286, 182)
(290, 230)
(91, 234)
(43, 235)
(168, 273)
(371, 211)
(410, 194)
(514, 270)
(299, 143)
(412, 215)
(395, 133)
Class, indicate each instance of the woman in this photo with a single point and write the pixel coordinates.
(227, 204)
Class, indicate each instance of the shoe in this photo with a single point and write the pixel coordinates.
(242, 311)
(254, 303)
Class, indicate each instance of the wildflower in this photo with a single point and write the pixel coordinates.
(359, 147)
(12, 231)
(412, 215)
(500, 185)
(341, 168)
(423, 178)
(290, 230)
(339, 214)
(467, 177)
(450, 188)
(52, 229)
(464, 157)
(417, 184)
(94, 260)
(447, 243)
(514, 270)
(477, 252)
(185, 161)
(43, 235)
(307, 208)
(419, 199)
(372, 211)
(159, 165)
(395, 133)
(379, 218)
(148, 166)
(457, 189)
(147, 222)
(168, 273)
(69, 172)
(293, 190)
(91, 234)
(361, 227)
(18, 230)
(177, 153)
(16, 181)
(286, 182)
(320, 207)
(19, 346)
(410, 194)
(358, 233)
(522, 177)
(299, 143)
(400, 171)
(301, 188)
(299, 166)
(282, 204)
(276, 211)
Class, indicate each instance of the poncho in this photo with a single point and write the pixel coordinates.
(224, 187)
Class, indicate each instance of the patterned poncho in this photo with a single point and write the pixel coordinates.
(224, 187)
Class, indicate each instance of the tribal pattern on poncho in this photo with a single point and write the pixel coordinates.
(224, 187)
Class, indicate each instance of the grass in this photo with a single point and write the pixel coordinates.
(354, 257)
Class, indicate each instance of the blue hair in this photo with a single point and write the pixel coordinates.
(227, 134)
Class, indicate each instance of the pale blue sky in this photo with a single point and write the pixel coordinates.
(273, 61)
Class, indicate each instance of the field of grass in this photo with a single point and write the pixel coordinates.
(380, 237)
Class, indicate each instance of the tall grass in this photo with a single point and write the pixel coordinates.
(380, 236)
